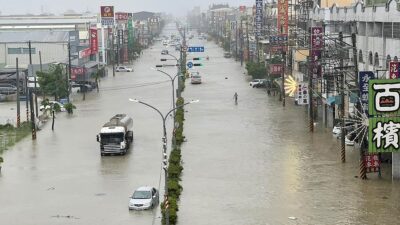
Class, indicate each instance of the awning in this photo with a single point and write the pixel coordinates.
(331, 100)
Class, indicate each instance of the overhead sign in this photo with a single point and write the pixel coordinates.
(189, 65)
(384, 134)
(278, 39)
(364, 77)
(259, 18)
(107, 15)
(394, 70)
(302, 94)
(196, 49)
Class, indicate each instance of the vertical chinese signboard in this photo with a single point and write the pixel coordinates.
(283, 16)
(302, 94)
(94, 44)
(259, 18)
(372, 163)
(364, 77)
(107, 15)
(317, 44)
(384, 104)
(394, 70)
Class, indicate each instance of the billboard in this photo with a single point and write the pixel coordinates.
(363, 79)
(94, 44)
(121, 16)
(384, 97)
(317, 44)
(259, 18)
(383, 134)
(302, 94)
(107, 15)
(394, 70)
(283, 18)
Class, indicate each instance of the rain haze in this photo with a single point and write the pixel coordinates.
(176, 7)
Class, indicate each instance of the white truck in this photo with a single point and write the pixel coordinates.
(116, 135)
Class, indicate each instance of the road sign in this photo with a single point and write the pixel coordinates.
(189, 65)
(196, 49)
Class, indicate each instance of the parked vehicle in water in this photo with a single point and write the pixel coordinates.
(123, 69)
(116, 135)
(144, 198)
(195, 78)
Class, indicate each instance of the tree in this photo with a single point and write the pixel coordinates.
(256, 70)
(52, 108)
(70, 108)
(53, 82)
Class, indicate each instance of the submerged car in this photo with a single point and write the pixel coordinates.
(144, 198)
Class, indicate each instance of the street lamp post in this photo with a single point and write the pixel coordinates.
(173, 85)
(164, 140)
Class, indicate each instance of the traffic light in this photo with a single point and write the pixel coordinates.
(159, 66)
(197, 64)
(163, 60)
(197, 58)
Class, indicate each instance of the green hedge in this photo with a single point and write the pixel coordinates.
(175, 169)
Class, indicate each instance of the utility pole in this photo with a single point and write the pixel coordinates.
(69, 70)
(84, 77)
(342, 112)
(248, 41)
(241, 42)
(236, 38)
(18, 101)
(33, 125)
(34, 77)
(363, 170)
(113, 51)
(310, 96)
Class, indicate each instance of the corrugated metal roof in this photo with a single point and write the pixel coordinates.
(33, 36)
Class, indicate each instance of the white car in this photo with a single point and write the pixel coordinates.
(337, 129)
(195, 79)
(144, 198)
(254, 82)
(51, 103)
(123, 69)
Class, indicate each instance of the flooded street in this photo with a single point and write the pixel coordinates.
(256, 163)
(253, 163)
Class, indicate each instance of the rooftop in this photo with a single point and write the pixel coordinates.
(33, 36)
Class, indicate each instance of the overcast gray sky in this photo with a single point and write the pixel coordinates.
(59, 6)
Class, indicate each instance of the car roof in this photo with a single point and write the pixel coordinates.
(144, 188)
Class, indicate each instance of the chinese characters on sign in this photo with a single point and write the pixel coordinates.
(259, 18)
(275, 69)
(372, 163)
(283, 16)
(107, 15)
(302, 94)
(364, 77)
(394, 70)
(85, 53)
(121, 16)
(316, 49)
(75, 71)
(384, 97)
(94, 45)
(384, 104)
(384, 134)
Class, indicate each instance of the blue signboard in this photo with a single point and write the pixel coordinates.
(189, 65)
(196, 49)
(259, 17)
(364, 77)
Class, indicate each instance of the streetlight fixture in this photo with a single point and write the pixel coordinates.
(164, 141)
(172, 82)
